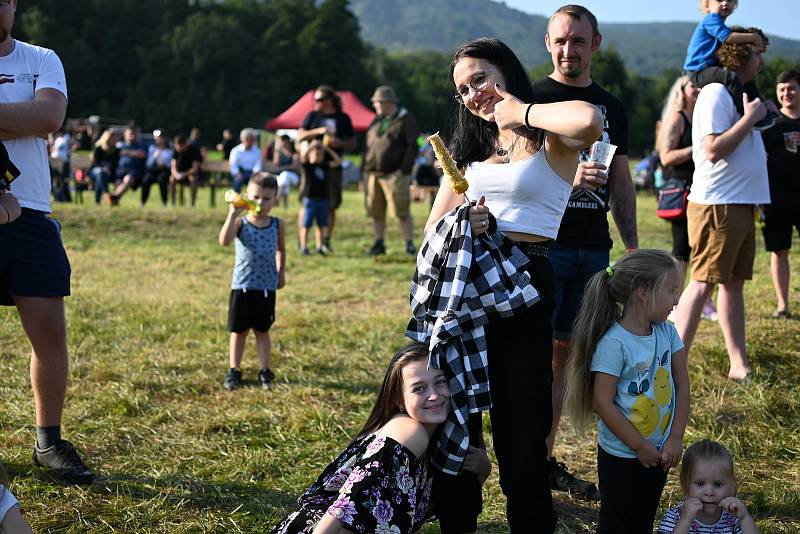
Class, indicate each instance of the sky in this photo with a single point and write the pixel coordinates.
(775, 17)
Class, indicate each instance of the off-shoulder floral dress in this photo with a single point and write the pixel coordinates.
(375, 485)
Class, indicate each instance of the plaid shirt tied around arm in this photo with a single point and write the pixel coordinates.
(459, 284)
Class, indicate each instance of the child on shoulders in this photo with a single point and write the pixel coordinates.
(628, 364)
(702, 65)
(259, 271)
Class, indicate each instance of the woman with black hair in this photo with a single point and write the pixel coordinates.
(520, 160)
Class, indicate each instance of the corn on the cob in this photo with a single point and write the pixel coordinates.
(457, 181)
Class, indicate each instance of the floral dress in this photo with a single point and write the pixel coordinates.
(375, 485)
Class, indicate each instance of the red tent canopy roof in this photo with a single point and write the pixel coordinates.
(292, 118)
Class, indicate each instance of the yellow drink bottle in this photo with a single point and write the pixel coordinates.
(241, 201)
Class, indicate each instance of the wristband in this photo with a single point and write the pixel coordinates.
(527, 122)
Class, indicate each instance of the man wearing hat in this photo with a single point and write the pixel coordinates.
(390, 154)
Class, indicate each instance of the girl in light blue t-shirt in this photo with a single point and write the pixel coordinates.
(628, 364)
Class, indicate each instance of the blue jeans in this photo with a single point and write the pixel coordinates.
(572, 268)
(241, 179)
(101, 179)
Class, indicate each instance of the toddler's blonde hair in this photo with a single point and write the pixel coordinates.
(703, 5)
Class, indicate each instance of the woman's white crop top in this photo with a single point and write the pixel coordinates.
(525, 196)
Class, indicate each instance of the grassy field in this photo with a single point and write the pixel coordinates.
(177, 453)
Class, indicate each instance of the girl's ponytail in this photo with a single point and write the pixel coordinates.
(597, 313)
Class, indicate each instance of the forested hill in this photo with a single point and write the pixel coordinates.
(444, 24)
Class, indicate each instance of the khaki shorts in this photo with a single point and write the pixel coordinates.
(723, 239)
(388, 189)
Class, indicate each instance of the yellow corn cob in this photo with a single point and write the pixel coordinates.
(457, 181)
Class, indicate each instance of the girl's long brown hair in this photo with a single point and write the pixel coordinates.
(390, 396)
(603, 302)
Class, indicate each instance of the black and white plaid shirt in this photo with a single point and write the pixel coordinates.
(460, 282)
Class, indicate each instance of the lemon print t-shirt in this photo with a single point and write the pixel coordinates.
(645, 390)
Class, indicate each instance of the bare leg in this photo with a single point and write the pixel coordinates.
(560, 354)
(779, 267)
(690, 307)
(123, 185)
(303, 237)
(407, 225)
(380, 227)
(172, 187)
(194, 183)
(264, 348)
(45, 325)
(731, 319)
(331, 223)
(319, 234)
(237, 348)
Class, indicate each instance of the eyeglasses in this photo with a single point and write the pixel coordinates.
(478, 82)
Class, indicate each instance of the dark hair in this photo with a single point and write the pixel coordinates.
(734, 56)
(391, 392)
(704, 449)
(264, 180)
(180, 139)
(605, 296)
(576, 12)
(787, 76)
(474, 139)
(330, 93)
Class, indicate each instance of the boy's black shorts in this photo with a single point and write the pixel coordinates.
(780, 220)
(33, 262)
(254, 308)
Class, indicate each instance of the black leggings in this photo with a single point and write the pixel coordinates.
(520, 351)
(629, 494)
(155, 175)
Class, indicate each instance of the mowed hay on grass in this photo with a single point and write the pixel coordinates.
(177, 453)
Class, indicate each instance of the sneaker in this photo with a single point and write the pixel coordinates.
(304, 251)
(410, 248)
(65, 462)
(767, 122)
(710, 311)
(781, 314)
(377, 249)
(266, 377)
(323, 250)
(563, 480)
(327, 244)
(232, 380)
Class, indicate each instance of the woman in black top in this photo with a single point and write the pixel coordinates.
(104, 162)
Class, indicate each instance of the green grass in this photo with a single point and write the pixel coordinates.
(177, 453)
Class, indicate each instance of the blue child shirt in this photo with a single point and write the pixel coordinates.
(645, 389)
(709, 34)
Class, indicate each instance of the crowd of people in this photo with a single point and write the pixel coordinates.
(517, 308)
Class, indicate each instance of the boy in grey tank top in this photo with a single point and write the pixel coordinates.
(259, 271)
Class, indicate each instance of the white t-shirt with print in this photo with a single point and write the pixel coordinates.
(24, 71)
(740, 177)
(645, 389)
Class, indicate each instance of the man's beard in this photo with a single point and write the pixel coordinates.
(570, 71)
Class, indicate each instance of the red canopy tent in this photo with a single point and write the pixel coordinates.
(292, 118)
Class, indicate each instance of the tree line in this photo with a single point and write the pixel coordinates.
(214, 64)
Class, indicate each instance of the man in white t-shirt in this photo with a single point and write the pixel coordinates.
(34, 269)
(730, 178)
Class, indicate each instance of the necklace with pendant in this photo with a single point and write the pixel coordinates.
(505, 153)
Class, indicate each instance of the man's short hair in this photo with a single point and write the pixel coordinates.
(265, 180)
(576, 12)
(788, 75)
(734, 56)
(245, 133)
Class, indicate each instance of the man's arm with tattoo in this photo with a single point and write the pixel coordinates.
(622, 201)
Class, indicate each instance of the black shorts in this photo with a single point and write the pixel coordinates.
(335, 187)
(33, 262)
(254, 308)
(778, 223)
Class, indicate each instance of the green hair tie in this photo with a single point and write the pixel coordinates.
(610, 271)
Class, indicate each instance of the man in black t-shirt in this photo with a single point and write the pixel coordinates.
(185, 167)
(329, 124)
(782, 143)
(583, 243)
